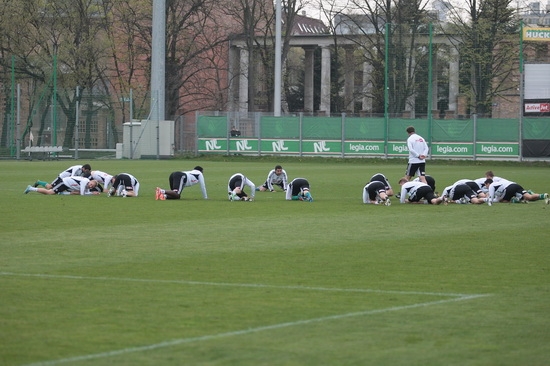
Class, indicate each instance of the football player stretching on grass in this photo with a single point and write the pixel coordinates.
(72, 171)
(298, 189)
(414, 192)
(180, 180)
(375, 193)
(124, 185)
(69, 185)
(507, 191)
(236, 186)
(379, 177)
(461, 192)
(102, 178)
(276, 177)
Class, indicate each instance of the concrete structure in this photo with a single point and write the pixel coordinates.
(309, 44)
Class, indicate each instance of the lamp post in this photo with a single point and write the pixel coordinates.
(277, 73)
(158, 61)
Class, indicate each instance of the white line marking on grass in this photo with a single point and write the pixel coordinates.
(176, 342)
(226, 284)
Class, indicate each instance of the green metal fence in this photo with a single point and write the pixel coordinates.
(366, 137)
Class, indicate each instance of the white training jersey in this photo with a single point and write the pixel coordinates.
(481, 182)
(73, 171)
(196, 177)
(417, 146)
(497, 189)
(102, 178)
(77, 184)
(273, 178)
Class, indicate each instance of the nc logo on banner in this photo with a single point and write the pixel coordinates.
(320, 147)
(212, 145)
(242, 145)
(279, 146)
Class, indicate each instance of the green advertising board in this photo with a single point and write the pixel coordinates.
(352, 147)
(364, 148)
(321, 147)
(271, 146)
(497, 149)
(398, 149)
(244, 146)
(212, 145)
(450, 149)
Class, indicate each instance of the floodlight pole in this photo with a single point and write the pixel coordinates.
(521, 91)
(158, 58)
(277, 73)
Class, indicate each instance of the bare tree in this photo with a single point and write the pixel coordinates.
(487, 33)
(58, 38)
(368, 25)
(196, 64)
(252, 18)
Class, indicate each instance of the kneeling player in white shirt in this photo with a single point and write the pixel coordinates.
(180, 180)
(379, 177)
(72, 171)
(298, 189)
(236, 186)
(103, 179)
(375, 193)
(415, 192)
(460, 192)
(507, 191)
(124, 185)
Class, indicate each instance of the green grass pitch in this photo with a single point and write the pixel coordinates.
(134, 281)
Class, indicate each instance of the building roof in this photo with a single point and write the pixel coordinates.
(304, 25)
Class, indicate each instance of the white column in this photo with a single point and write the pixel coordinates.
(435, 94)
(325, 81)
(410, 104)
(349, 80)
(453, 80)
(243, 81)
(308, 79)
(233, 72)
(367, 87)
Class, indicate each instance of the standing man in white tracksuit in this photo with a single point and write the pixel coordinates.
(418, 152)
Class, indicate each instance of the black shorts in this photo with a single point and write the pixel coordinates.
(430, 181)
(124, 181)
(414, 168)
(177, 181)
(513, 190)
(235, 182)
(274, 184)
(474, 186)
(298, 185)
(374, 189)
(60, 187)
(423, 192)
(463, 190)
(380, 178)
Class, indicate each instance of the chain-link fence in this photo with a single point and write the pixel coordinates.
(40, 123)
